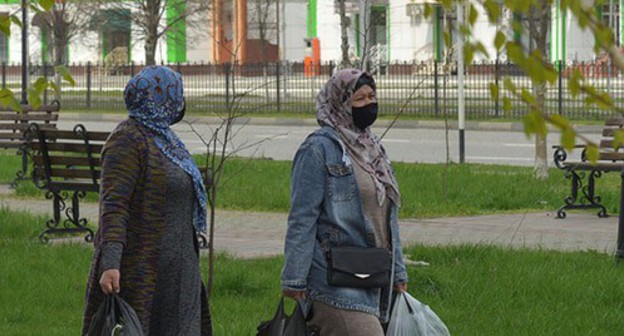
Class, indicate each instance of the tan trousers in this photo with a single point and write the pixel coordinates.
(338, 322)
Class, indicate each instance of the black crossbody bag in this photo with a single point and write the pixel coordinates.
(359, 267)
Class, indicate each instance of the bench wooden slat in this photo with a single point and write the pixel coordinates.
(11, 136)
(10, 145)
(615, 156)
(67, 160)
(67, 147)
(64, 134)
(615, 121)
(30, 116)
(74, 186)
(610, 132)
(24, 126)
(67, 173)
(53, 107)
(602, 166)
(608, 144)
(13, 126)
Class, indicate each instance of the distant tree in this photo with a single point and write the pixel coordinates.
(149, 19)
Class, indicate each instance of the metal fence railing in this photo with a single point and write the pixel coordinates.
(425, 89)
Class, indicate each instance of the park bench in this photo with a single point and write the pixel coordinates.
(67, 165)
(13, 125)
(583, 174)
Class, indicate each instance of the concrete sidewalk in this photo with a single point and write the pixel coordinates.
(256, 234)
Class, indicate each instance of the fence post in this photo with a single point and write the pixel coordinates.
(4, 75)
(45, 76)
(436, 98)
(560, 88)
(89, 85)
(497, 82)
(179, 68)
(277, 88)
(131, 69)
(331, 68)
(227, 86)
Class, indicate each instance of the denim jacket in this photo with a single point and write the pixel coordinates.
(326, 210)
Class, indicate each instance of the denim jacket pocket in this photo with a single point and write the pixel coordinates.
(341, 182)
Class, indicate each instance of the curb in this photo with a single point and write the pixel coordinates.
(407, 124)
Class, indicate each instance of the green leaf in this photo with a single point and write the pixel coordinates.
(493, 10)
(618, 139)
(515, 53)
(5, 25)
(499, 40)
(506, 104)
(46, 4)
(34, 98)
(528, 97)
(568, 138)
(16, 20)
(591, 152)
(428, 10)
(509, 85)
(494, 91)
(473, 15)
(41, 84)
(54, 87)
(35, 8)
(559, 121)
(574, 83)
(7, 99)
(447, 40)
(468, 54)
(481, 49)
(62, 70)
(529, 125)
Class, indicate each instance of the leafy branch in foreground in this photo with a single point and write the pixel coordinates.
(524, 18)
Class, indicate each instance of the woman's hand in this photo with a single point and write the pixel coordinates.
(109, 281)
(400, 287)
(296, 295)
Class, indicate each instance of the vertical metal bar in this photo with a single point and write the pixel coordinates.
(277, 88)
(436, 97)
(560, 89)
(497, 83)
(89, 85)
(4, 75)
(619, 254)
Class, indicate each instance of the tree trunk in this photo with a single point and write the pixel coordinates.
(540, 19)
(151, 30)
(344, 37)
(150, 51)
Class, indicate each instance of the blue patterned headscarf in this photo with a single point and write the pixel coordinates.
(155, 98)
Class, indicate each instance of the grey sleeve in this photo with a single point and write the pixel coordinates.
(111, 256)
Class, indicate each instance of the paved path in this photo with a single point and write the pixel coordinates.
(254, 234)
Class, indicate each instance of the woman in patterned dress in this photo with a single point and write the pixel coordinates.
(152, 203)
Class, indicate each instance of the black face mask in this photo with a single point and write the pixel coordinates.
(181, 115)
(364, 116)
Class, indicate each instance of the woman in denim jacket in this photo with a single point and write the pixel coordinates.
(343, 193)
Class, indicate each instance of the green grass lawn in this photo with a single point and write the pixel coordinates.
(471, 189)
(477, 290)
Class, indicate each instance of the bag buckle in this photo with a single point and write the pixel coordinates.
(362, 276)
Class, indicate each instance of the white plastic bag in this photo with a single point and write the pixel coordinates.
(412, 318)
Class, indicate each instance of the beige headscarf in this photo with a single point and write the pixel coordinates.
(333, 108)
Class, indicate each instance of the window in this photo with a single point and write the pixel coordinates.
(610, 20)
